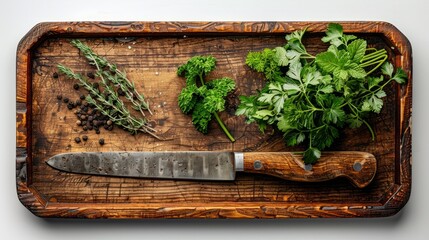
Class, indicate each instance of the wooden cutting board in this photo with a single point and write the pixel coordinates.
(150, 53)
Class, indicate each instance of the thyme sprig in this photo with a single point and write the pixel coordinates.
(107, 100)
(110, 72)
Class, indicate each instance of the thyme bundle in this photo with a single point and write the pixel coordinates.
(115, 90)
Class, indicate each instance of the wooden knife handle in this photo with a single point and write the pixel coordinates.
(358, 167)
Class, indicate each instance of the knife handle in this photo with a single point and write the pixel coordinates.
(358, 167)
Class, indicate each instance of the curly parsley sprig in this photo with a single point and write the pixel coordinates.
(311, 98)
(203, 99)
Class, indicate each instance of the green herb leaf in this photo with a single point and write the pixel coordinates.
(374, 81)
(357, 50)
(400, 76)
(188, 98)
(311, 155)
(333, 34)
(295, 70)
(281, 58)
(387, 69)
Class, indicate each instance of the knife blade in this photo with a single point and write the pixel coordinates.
(358, 167)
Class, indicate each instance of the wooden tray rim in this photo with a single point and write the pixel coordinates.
(39, 206)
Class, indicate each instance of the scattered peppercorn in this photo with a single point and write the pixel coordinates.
(90, 75)
(109, 122)
(78, 102)
(77, 139)
(120, 92)
(97, 131)
(76, 86)
(82, 97)
(84, 138)
(65, 100)
(84, 127)
(55, 75)
(78, 122)
(59, 97)
(101, 141)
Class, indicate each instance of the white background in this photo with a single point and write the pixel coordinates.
(410, 16)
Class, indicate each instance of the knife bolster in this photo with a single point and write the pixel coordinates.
(239, 161)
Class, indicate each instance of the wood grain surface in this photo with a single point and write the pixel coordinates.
(150, 53)
(357, 167)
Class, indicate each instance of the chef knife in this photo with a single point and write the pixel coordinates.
(358, 167)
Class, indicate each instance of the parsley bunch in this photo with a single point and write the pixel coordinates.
(203, 99)
(311, 98)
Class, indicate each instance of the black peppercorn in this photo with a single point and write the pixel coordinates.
(120, 92)
(101, 141)
(55, 75)
(106, 127)
(84, 127)
(90, 75)
(82, 97)
(97, 131)
(77, 139)
(78, 102)
(59, 97)
(110, 128)
(66, 100)
(76, 86)
(84, 138)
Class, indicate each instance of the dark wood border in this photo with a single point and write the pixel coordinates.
(391, 204)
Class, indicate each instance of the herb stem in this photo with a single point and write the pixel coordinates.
(355, 110)
(373, 92)
(222, 125)
(219, 121)
(370, 55)
(369, 128)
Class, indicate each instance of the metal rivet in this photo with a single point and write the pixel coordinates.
(357, 166)
(257, 165)
(308, 167)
